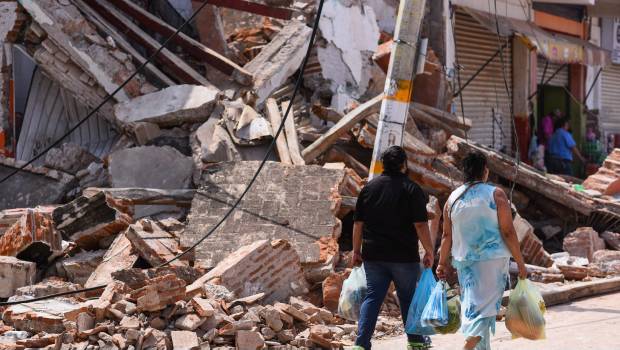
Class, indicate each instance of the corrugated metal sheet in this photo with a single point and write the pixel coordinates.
(610, 103)
(560, 79)
(487, 92)
(50, 112)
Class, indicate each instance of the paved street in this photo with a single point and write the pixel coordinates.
(588, 324)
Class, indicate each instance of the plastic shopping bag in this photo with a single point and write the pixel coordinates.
(454, 317)
(423, 291)
(435, 313)
(525, 313)
(352, 295)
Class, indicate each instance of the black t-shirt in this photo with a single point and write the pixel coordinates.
(389, 205)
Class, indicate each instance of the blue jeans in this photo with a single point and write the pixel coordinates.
(379, 275)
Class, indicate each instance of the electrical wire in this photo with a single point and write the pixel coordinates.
(458, 69)
(109, 97)
(298, 84)
(512, 119)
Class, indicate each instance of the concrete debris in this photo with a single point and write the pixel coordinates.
(612, 239)
(153, 244)
(175, 105)
(69, 158)
(47, 287)
(605, 181)
(351, 33)
(80, 267)
(88, 220)
(269, 267)
(583, 242)
(15, 274)
(33, 237)
(279, 59)
(120, 256)
(294, 204)
(32, 186)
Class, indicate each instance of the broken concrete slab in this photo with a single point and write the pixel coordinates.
(81, 266)
(266, 267)
(279, 59)
(612, 239)
(69, 158)
(119, 257)
(32, 186)
(48, 287)
(15, 273)
(351, 33)
(33, 237)
(88, 220)
(293, 203)
(172, 106)
(152, 243)
(41, 316)
(151, 167)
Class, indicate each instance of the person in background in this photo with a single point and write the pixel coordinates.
(593, 149)
(561, 150)
(546, 127)
(479, 235)
(390, 217)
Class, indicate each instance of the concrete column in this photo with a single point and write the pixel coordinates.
(520, 94)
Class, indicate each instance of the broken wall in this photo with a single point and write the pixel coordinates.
(286, 202)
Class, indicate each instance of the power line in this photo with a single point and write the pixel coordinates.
(109, 97)
(298, 84)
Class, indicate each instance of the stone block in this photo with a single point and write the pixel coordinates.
(15, 273)
(288, 202)
(203, 307)
(263, 267)
(189, 322)
(184, 340)
(81, 266)
(49, 286)
(606, 256)
(279, 59)
(69, 158)
(153, 244)
(249, 340)
(120, 256)
(144, 132)
(175, 105)
(583, 242)
(41, 316)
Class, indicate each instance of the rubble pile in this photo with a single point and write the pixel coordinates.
(136, 219)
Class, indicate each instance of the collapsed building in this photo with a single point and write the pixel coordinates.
(158, 169)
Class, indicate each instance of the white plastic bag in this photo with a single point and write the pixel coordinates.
(352, 295)
(525, 313)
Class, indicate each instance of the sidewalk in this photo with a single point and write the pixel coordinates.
(589, 324)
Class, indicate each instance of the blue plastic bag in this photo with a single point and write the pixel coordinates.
(435, 313)
(352, 294)
(423, 291)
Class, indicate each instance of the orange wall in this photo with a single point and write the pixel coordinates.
(560, 24)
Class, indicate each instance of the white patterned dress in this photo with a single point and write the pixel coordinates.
(480, 257)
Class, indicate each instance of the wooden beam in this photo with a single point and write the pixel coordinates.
(344, 125)
(181, 70)
(526, 176)
(444, 117)
(273, 113)
(145, 196)
(107, 28)
(291, 136)
(193, 47)
(555, 295)
(426, 118)
(255, 8)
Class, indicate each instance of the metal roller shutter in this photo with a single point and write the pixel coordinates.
(475, 45)
(610, 109)
(560, 79)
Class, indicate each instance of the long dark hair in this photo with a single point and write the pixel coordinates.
(473, 166)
